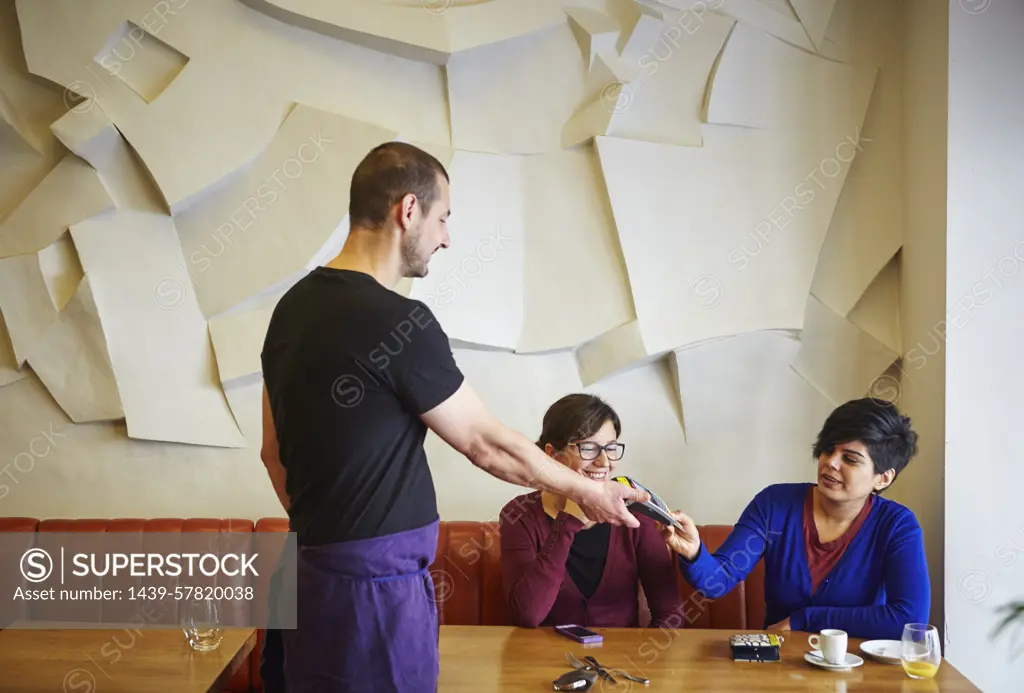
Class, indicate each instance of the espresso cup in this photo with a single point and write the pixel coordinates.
(832, 643)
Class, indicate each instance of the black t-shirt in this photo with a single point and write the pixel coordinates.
(587, 556)
(349, 366)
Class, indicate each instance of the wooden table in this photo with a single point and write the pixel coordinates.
(492, 658)
(117, 661)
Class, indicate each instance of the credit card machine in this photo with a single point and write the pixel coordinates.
(654, 508)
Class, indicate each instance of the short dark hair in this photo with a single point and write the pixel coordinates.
(876, 423)
(387, 174)
(575, 417)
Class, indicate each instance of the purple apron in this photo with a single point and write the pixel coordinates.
(366, 619)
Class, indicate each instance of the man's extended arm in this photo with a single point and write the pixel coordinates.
(270, 455)
(464, 422)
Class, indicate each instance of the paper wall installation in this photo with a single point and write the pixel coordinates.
(426, 30)
(262, 226)
(245, 72)
(10, 372)
(742, 402)
(70, 193)
(828, 340)
(25, 301)
(655, 90)
(156, 334)
(499, 103)
(656, 200)
(71, 360)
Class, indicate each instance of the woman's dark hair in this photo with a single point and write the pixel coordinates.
(876, 423)
(575, 417)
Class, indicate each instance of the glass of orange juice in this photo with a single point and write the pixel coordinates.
(921, 651)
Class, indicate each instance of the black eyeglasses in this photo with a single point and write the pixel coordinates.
(591, 451)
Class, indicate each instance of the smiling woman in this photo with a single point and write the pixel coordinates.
(558, 566)
(837, 554)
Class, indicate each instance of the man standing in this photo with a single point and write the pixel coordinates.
(354, 375)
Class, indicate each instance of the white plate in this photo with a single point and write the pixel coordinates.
(852, 660)
(887, 651)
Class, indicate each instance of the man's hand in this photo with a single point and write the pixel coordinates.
(781, 625)
(605, 501)
(685, 543)
(576, 511)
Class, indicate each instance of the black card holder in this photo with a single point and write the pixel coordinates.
(756, 647)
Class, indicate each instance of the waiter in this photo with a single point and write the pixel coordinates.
(354, 375)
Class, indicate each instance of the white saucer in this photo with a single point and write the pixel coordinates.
(851, 661)
(888, 651)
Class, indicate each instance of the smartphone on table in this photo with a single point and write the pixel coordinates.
(579, 633)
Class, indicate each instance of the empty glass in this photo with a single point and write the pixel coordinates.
(203, 630)
(921, 651)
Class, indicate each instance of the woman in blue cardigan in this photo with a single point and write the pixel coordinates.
(837, 554)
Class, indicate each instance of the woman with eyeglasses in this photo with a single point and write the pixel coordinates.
(558, 567)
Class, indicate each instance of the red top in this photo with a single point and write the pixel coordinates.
(822, 557)
(540, 592)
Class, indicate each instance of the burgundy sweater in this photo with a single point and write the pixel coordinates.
(540, 592)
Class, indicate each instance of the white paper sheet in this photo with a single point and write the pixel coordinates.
(744, 246)
(839, 37)
(867, 228)
(25, 301)
(156, 334)
(814, 15)
(245, 71)
(12, 129)
(525, 229)
(72, 361)
(516, 96)
(9, 370)
(762, 82)
(475, 287)
(141, 60)
(837, 357)
(238, 339)
(266, 224)
(664, 100)
(750, 421)
(878, 310)
(595, 31)
(62, 272)
(757, 15)
(26, 104)
(641, 37)
(70, 193)
(427, 30)
(613, 352)
(27, 149)
(91, 135)
(574, 285)
(656, 94)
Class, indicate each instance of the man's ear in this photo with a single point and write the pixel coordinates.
(407, 212)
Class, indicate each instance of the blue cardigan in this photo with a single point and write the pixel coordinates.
(879, 585)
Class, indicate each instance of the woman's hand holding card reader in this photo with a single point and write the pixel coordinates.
(579, 633)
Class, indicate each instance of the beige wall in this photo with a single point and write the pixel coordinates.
(923, 262)
(984, 516)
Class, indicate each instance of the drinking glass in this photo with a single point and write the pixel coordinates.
(921, 651)
(201, 624)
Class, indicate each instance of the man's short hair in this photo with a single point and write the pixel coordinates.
(387, 174)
